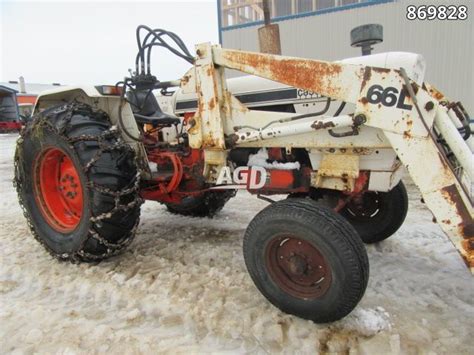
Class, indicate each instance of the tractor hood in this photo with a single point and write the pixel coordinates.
(255, 91)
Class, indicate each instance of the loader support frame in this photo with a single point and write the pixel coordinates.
(408, 114)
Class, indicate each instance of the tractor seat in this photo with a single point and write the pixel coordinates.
(147, 110)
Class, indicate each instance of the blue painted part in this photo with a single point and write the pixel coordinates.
(219, 20)
(305, 14)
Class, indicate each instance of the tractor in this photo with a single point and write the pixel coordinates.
(334, 138)
(10, 113)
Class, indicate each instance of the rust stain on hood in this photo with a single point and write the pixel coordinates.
(312, 75)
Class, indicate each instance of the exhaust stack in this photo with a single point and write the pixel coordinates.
(21, 82)
(269, 35)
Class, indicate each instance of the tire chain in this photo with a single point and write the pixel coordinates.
(43, 119)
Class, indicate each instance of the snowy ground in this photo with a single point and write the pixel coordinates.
(182, 287)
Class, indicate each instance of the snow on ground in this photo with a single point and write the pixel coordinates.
(182, 287)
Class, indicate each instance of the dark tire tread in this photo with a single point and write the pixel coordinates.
(85, 132)
(206, 205)
(338, 232)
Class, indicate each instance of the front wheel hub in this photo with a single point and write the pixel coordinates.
(58, 190)
(365, 206)
(297, 267)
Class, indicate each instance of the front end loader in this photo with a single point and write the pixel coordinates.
(334, 138)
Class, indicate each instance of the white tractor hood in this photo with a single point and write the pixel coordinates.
(255, 91)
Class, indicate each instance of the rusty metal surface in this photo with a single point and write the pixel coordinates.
(337, 171)
(441, 193)
(322, 125)
(465, 227)
(316, 76)
(208, 129)
(298, 267)
(434, 92)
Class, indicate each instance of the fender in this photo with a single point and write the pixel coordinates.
(111, 104)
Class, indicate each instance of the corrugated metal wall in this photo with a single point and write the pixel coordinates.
(448, 46)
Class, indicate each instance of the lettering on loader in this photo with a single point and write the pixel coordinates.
(243, 177)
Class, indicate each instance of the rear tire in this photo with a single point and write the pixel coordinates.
(206, 205)
(104, 176)
(306, 260)
(379, 215)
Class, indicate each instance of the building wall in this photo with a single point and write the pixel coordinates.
(448, 46)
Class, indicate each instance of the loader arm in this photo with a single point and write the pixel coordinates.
(412, 119)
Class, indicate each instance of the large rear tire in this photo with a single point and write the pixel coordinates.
(77, 183)
(306, 260)
(206, 205)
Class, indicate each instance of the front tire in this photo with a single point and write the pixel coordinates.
(306, 260)
(77, 183)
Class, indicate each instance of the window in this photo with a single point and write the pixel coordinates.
(325, 4)
(348, 2)
(305, 6)
(238, 12)
(283, 8)
(241, 12)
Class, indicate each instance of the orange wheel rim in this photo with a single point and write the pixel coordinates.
(58, 190)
